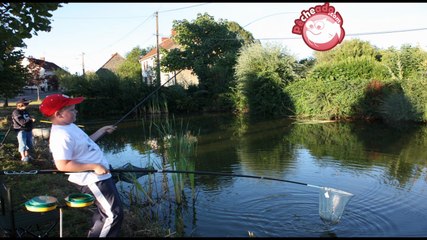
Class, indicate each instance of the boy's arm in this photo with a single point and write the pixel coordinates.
(73, 166)
(102, 131)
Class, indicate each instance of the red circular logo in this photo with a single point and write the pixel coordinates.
(321, 32)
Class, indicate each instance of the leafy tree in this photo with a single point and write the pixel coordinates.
(131, 68)
(408, 68)
(36, 75)
(19, 21)
(407, 62)
(242, 34)
(13, 76)
(208, 48)
(348, 49)
(262, 74)
(347, 81)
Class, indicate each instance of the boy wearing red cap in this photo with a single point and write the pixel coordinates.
(23, 126)
(74, 151)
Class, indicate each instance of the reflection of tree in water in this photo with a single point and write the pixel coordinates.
(407, 142)
(359, 146)
(261, 144)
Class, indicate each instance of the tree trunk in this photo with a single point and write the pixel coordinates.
(6, 102)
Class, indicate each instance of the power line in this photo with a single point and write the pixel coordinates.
(386, 32)
(176, 9)
(133, 30)
(356, 34)
(148, 18)
(274, 14)
(115, 17)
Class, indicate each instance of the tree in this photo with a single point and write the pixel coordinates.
(208, 48)
(131, 68)
(36, 74)
(262, 74)
(348, 49)
(409, 61)
(19, 21)
(13, 76)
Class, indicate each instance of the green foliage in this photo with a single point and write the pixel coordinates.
(261, 75)
(415, 90)
(177, 99)
(304, 66)
(177, 145)
(407, 67)
(131, 68)
(19, 21)
(242, 34)
(334, 90)
(13, 76)
(408, 104)
(364, 67)
(208, 48)
(408, 62)
(396, 107)
(348, 49)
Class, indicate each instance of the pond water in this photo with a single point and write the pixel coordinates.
(383, 166)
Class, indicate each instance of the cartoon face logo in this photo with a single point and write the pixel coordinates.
(320, 27)
(321, 32)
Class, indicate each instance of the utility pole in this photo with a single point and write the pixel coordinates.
(158, 49)
(83, 63)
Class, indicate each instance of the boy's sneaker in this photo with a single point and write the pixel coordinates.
(25, 159)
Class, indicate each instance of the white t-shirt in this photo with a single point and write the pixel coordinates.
(69, 142)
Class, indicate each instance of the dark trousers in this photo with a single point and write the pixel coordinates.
(108, 220)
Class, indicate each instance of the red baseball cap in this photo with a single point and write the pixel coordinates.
(55, 102)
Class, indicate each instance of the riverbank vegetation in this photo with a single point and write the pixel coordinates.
(354, 81)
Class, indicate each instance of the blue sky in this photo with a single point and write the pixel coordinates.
(101, 29)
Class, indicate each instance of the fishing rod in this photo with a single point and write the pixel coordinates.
(141, 102)
(150, 170)
(5, 136)
(331, 201)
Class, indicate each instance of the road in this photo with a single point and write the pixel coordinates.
(30, 95)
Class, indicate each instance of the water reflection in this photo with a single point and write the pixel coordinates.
(384, 167)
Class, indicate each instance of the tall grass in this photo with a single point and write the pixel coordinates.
(177, 144)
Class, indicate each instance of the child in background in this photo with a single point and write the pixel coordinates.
(23, 126)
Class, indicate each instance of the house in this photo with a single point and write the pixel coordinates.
(148, 65)
(46, 72)
(112, 64)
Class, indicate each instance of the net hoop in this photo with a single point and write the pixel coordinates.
(332, 203)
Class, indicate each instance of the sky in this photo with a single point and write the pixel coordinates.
(86, 35)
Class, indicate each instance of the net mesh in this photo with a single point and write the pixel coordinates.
(332, 203)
